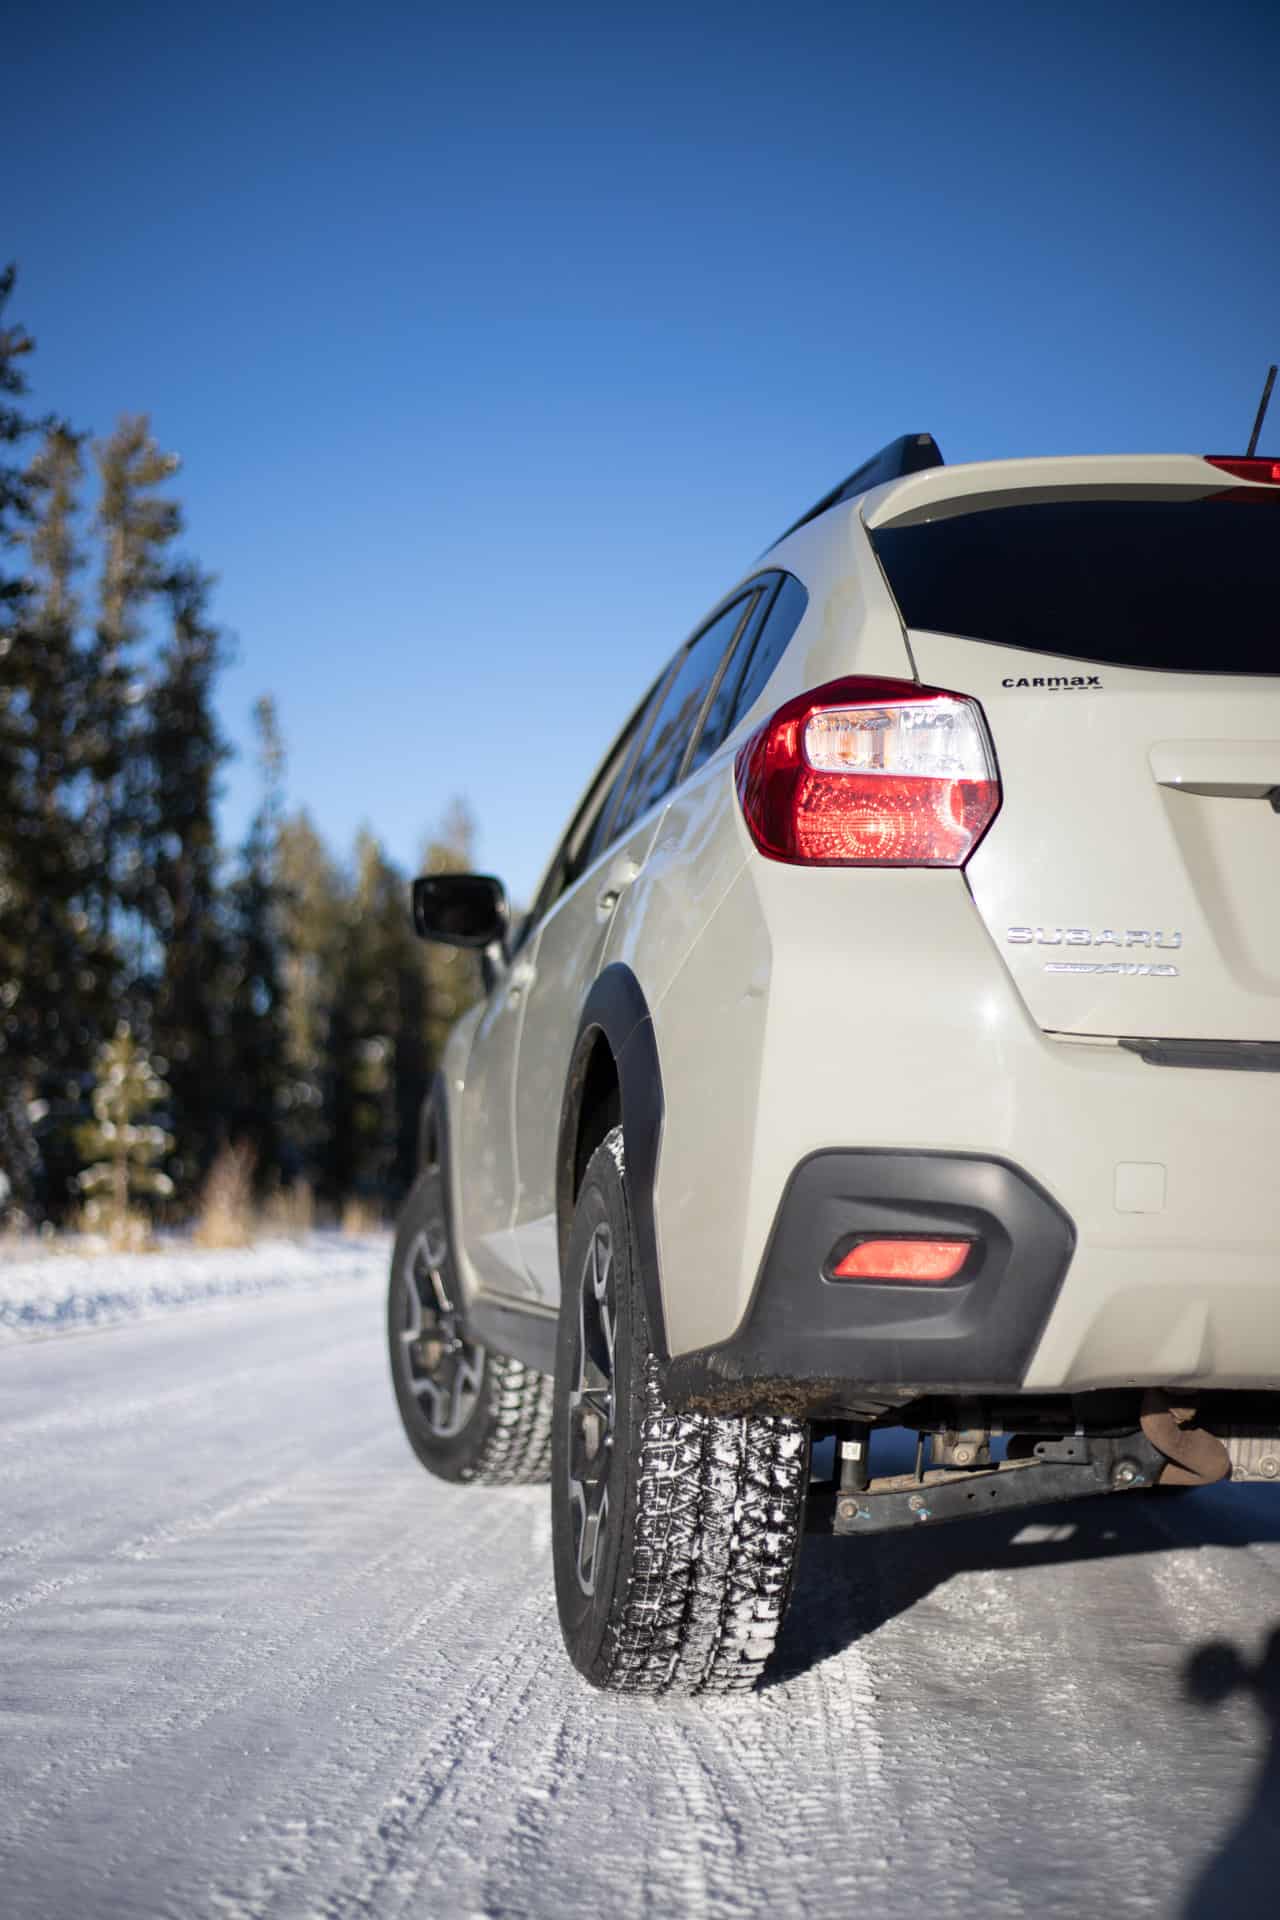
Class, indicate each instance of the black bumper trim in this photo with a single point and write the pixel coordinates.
(808, 1344)
(1220, 1056)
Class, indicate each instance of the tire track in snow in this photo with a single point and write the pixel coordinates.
(347, 1769)
(94, 1416)
(78, 1768)
(326, 1685)
(486, 1710)
(263, 1485)
(406, 1734)
(123, 1728)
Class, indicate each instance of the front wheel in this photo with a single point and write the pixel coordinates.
(470, 1414)
(674, 1535)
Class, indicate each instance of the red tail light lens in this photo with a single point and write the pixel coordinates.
(928, 1261)
(1266, 471)
(870, 772)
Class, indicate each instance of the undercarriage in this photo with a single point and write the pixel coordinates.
(974, 1457)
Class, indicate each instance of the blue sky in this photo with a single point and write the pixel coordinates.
(498, 340)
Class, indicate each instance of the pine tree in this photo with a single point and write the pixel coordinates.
(398, 1014)
(360, 1090)
(314, 910)
(18, 1154)
(64, 1006)
(179, 893)
(121, 1142)
(257, 1037)
(15, 344)
(136, 524)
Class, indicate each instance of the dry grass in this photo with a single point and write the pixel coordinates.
(290, 1212)
(359, 1216)
(110, 1233)
(226, 1213)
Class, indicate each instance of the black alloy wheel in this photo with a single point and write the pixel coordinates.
(590, 1408)
(470, 1414)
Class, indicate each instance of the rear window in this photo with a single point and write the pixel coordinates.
(1189, 586)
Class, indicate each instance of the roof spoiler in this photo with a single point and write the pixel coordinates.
(910, 454)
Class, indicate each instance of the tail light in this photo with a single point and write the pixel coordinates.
(1266, 471)
(880, 773)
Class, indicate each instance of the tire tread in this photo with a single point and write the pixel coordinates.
(719, 1507)
(516, 1451)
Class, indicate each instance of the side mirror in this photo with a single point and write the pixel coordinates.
(460, 909)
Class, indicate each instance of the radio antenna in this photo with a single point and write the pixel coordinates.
(1262, 412)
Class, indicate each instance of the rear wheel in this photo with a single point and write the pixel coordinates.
(674, 1535)
(470, 1414)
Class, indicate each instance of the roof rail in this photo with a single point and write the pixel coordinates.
(910, 454)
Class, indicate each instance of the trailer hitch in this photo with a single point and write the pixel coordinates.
(1074, 1468)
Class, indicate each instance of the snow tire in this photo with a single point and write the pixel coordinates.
(691, 1569)
(500, 1432)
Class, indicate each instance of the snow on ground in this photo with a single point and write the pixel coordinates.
(255, 1663)
(63, 1286)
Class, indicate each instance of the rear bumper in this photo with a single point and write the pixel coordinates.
(809, 1344)
(877, 1013)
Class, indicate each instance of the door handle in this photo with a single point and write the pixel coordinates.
(620, 877)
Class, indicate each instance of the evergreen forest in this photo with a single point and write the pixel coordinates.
(268, 999)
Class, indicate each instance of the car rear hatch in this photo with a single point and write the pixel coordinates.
(1121, 632)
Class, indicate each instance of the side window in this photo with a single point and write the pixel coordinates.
(783, 616)
(663, 746)
(720, 710)
(600, 833)
(575, 850)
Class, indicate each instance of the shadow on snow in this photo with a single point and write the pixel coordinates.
(849, 1589)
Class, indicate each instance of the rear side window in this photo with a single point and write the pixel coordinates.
(575, 850)
(718, 721)
(600, 833)
(663, 748)
(783, 615)
(1187, 585)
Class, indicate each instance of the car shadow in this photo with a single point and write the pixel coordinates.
(846, 1589)
(1242, 1879)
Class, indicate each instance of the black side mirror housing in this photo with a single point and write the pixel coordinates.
(460, 909)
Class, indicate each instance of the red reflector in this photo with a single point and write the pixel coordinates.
(870, 772)
(1265, 471)
(930, 1261)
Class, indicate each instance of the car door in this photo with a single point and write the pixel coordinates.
(487, 1121)
(486, 1139)
(572, 936)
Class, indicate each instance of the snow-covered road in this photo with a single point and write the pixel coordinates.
(254, 1662)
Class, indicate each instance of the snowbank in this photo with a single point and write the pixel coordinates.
(47, 1291)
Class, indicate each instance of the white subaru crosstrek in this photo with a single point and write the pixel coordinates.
(894, 1040)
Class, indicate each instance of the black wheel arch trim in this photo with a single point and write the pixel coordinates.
(617, 1011)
